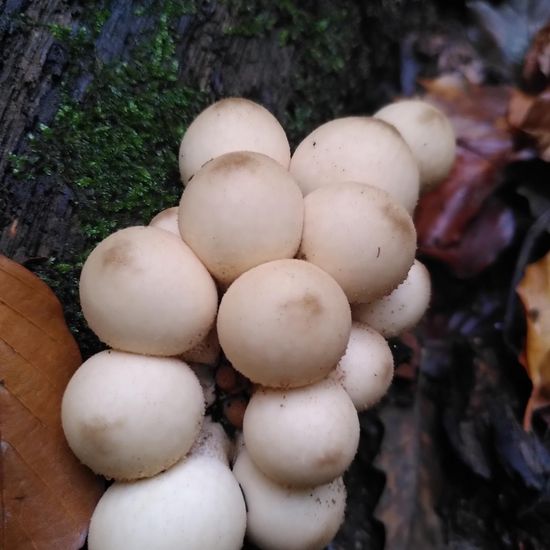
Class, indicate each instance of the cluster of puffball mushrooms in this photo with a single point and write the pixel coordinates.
(298, 269)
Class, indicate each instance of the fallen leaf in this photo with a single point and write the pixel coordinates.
(47, 495)
(536, 67)
(534, 292)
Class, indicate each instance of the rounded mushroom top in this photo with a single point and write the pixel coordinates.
(361, 236)
(232, 124)
(302, 437)
(128, 416)
(400, 310)
(428, 133)
(239, 211)
(361, 149)
(143, 290)
(196, 504)
(284, 323)
(167, 220)
(286, 517)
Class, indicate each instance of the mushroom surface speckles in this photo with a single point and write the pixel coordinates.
(304, 436)
(290, 518)
(128, 416)
(239, 211)
(143, 290)
(232, 124)
(284, 323)
(346, 227)
(359, 149)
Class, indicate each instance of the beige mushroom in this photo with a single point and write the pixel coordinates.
(232, 124)
(400, 310)
(284, 323)
(358, 234)
(303, 436)
(360, 149)
(239, 211)
(143, 290)
(128, 416)
(167, 220)
(428, 133)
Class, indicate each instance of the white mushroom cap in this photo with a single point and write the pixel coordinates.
(366, 370)
(284, 323)
(358, 234)
(143, 290)
(205, 375)
(239, 211)
(233, 124)
(359, 149)
(167, 220)
(128, 416)
(206, 352)
(197, 505)
(428, 133)
(400, 310)
(282, 517)
(213, 442)
(303, 436)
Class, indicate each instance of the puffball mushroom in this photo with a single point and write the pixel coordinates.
(232, 124)
(239, 211)
(359, 149)
(428, 133)
(197, 504)
(206, 352)
(366, 369)
(143, 290)
(361, 236)
(303, 436)
(167, 220)
(128, 416)
(290, 518)
(284, 323)
(400, 310)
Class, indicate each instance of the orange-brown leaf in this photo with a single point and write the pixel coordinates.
(534, 291)
(47, 495)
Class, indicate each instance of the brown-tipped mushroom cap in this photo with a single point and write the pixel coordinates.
(239, 211)
(400, 310)
(303, 436)
(357, 149)
(428, 133)
(167, 220)
(197, 505)
(290, 518)
(366, 369)
(233, 124)
(361, 236)
(284, 323)
(128, 416)
(143, 290)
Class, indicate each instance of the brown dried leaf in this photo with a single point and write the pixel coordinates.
(47, 495)
(534, 292)
(536, 67)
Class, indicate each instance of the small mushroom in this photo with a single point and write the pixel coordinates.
(428, 133)
(143, 290)
(284, 323)
(360, 149)
(303, 436)
(197, 504)
(167, 220)
(128, 416)
(366, 369)
(232, 124)
(400, 310)
(290, 518)
(239, 211)
(361, 236)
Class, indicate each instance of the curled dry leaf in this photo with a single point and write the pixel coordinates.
(47, 495)
(534, 292)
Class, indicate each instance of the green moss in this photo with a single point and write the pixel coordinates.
(117, 149)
